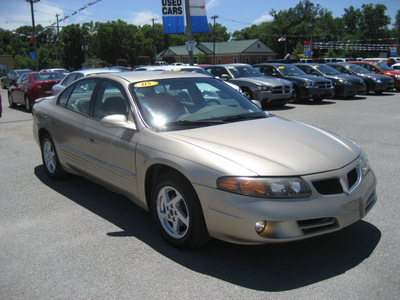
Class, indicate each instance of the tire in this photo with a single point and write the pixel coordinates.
(50, 159)
(28, 106)
(177, 212)
(317, 99)
(296, 96)
(11, 101)
(247, 93)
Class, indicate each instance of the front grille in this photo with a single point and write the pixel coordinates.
(282, 89)
(324, 85)
(316, 225)
(334, 185)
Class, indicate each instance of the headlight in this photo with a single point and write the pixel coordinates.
(344, 81)
(365, 167)
(397, 76)
(263, 88)
(308, 83)
(265, 187)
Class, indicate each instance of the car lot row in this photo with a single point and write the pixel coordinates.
(273, 84)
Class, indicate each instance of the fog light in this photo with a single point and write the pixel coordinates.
(260, 225)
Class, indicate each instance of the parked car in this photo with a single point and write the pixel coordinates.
(184, 68)
(211, 165)
(382, 68)
(345, 85)
(31, 86)
(396, 66)
(376, 83)
(305, 86)
(12, 76)
(65, 72)
(79, 74)
(254, 85)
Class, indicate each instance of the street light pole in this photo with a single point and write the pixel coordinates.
(214, 18)
(189, 31)
(34, 32)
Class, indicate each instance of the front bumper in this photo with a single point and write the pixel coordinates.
(349, 90)
(313, 92)
(232, 217)
(274, 97)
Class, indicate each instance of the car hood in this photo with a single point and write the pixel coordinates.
(309, 77)
(265, 80)
(347, 77)
(270, 147)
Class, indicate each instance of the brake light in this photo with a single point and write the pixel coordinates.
(38, 89)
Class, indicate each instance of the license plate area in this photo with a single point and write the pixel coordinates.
(350, 213)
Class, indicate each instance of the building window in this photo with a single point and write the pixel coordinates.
(258, 60)
(219, 61)
(247, 60)
(235, 60)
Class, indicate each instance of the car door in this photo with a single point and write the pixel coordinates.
(68, 122)
(111, 150)
(18, 91)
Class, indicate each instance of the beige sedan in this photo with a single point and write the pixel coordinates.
(203, 159)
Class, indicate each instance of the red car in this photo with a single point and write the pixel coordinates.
(381, 68)
(31, 86)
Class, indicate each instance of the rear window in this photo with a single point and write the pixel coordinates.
(47, 76)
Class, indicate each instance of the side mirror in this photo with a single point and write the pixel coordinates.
(257, 103)
(224, 76)
(117, 121)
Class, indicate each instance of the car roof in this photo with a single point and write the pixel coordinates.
(95, 71)
(148, 76)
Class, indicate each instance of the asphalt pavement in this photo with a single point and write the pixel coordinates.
(74, 239)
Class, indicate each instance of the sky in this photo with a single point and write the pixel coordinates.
(233, 14)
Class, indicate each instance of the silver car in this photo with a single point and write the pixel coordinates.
(268, 90)
(203, 159)
(70, 77)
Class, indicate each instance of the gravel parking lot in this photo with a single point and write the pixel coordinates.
(76, 240)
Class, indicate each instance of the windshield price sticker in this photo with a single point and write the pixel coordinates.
(145, 84)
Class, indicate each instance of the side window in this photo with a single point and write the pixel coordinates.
(62, 100)
(109, 101)
(79, 100)
(69, 79)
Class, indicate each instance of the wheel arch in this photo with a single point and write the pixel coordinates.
(153, 173)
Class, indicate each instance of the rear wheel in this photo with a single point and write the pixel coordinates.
(50, 159)
(177, 212)
(11, 100)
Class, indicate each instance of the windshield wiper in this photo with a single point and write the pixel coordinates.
(193, 123)
(242, 117)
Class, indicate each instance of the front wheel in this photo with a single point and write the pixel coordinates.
(177, 212)
(28, 106)
(50, 159)
(247, 93)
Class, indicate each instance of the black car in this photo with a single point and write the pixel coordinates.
(376, 83)
(345, 85)
(305, 86)
(11, 77)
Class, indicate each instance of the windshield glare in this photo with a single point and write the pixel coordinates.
(327, 70)
(291, 71)
(245, 71)
(358, 69)
(179, 103)
(383, 67)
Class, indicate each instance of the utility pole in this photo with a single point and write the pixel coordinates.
(34, 32)
(154, 41)
(214, 18)
(58, 40)
(189, 32)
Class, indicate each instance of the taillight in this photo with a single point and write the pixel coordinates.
(38, 89)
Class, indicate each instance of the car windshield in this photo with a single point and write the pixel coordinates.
(181, 103)
(327, 70)
(291, 71)
(20, 72)
(48, 76)
(358, 69)
(245, 71)
(383, 66)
